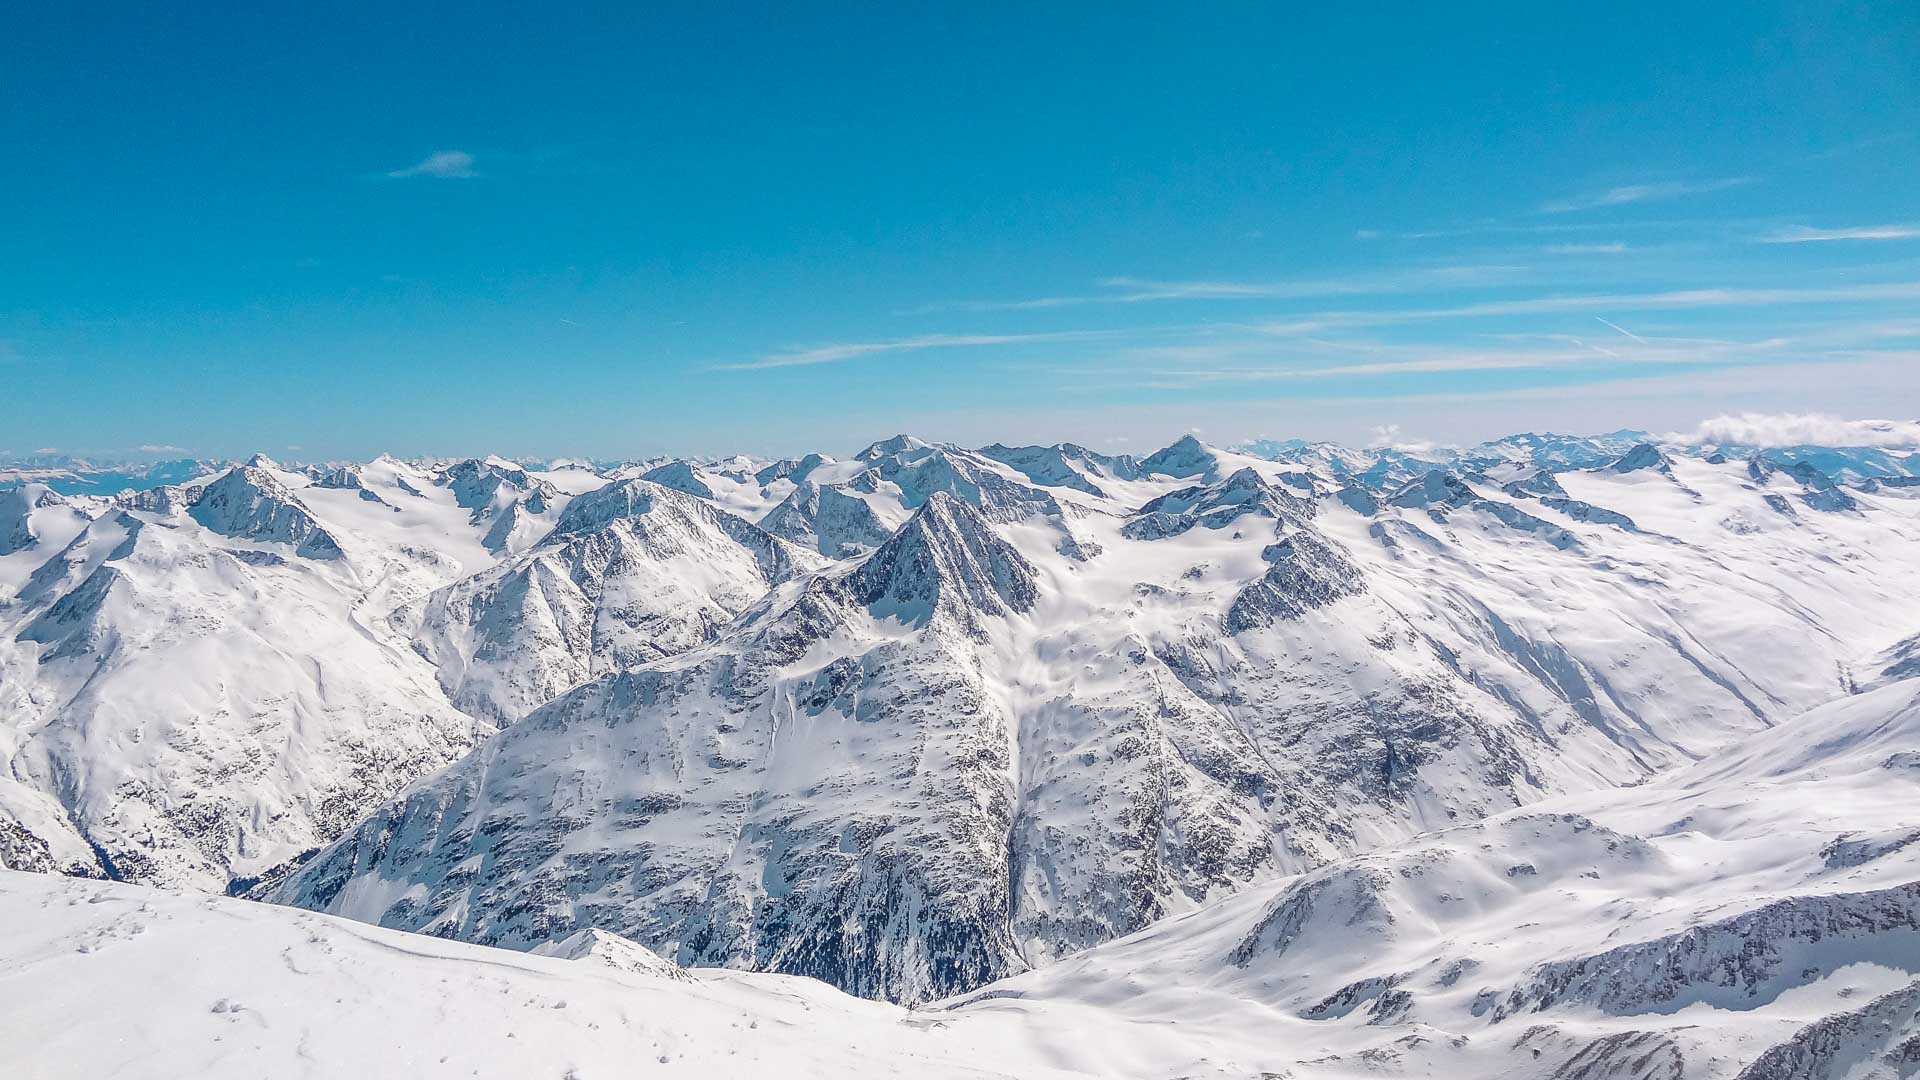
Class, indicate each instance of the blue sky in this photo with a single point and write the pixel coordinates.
(614, 232)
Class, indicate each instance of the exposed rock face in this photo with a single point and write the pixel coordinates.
(1065, 465)
(1880, 1038)
(794, 469)
(1438, 488)
(1308, 572)
(1748, 956)
(997, 752)
(944, 561)
(249, 504)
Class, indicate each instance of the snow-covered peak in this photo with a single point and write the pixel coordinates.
(680, 476)
(17, 506)
(604, 505)
(513, 505)
(1064, 465)
(1437, 487)
(1642, 456)
(1215, 506)
(898, 445)
(249, 503)
(794, 469)
(946, 558)
(1187, 456)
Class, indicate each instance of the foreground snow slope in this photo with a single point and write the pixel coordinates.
(100, 979)
(1751, 917)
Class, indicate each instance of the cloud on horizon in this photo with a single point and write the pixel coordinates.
(1802, 429)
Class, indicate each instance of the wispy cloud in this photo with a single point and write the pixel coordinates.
(441, 164)
(832, 354)
(1250, 362)
(1806, 234)
(1133, 290)
(1803, 429)
(1683, 298)
(1585, 249)
(1639, 193)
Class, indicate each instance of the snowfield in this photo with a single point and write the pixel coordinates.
(1558, 757)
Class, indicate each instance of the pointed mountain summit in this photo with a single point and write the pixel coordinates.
(899, 444)
(946, 558)
(1186, 457)
(794, 469)
(249, 503)
(1642, 456)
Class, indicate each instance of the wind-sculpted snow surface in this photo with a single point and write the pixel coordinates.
(979, 748)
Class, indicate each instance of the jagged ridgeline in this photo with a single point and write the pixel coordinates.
(914, 720)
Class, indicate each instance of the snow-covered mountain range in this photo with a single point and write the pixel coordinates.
(1299, 731)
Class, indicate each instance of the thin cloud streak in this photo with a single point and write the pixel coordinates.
(836, 353)
(441, 164)
(1586, 249)
(1684, 298)
(1130, 290)
(1639, 193)
(1806, 234)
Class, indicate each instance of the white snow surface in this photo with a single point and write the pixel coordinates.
(1752, 916)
